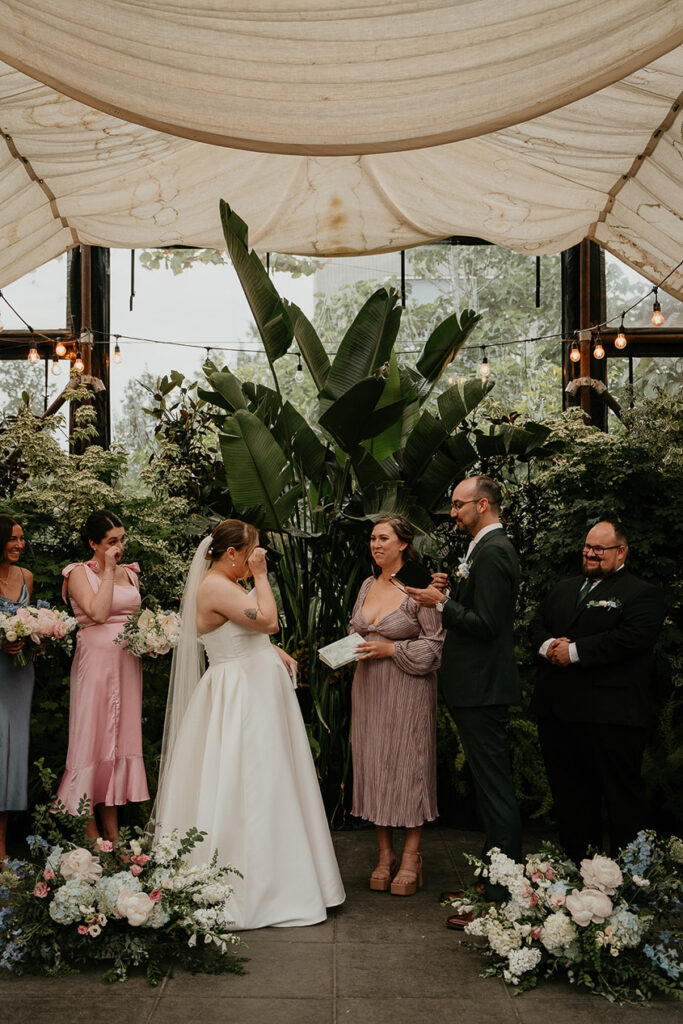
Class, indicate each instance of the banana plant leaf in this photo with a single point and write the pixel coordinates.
(227, 391)
(511, 440)
(303, 441)
(445, 469)
(424, 440)
(310, 345)
(259, 476)
(445, 342)
(397, 393)
(271, 317)
(458, 401)
(345, 421)
(366, 345)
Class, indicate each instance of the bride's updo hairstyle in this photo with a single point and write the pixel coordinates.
(231, 533)
(405, 533)
(97, 526)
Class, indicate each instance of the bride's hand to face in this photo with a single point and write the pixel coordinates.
(257, 562)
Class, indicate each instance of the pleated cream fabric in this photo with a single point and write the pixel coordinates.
(241, 770)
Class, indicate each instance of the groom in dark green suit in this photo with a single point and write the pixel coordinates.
(478, 676)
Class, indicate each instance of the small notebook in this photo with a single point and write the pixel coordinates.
(341, 652)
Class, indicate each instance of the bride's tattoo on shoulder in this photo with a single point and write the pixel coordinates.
(251, 613)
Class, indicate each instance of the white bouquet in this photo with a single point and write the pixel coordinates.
(37, 626)
(149, 633)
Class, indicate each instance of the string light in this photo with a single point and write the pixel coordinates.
(33, 356)
(484, 368)
(450, 380)
(79, 365)
(299, 375)
(56, 369)
(657, 315)
(598, 350)
(460, 380)
(60, 348)
(575, 352)
(621, 341)
(117, 350)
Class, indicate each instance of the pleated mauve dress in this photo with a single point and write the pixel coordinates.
(393, 720)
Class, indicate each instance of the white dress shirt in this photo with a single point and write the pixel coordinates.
(482, 533)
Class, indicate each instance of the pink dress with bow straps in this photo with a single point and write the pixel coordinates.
(104, 760)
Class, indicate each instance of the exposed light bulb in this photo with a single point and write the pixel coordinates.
(575, 352)
(33, 356)
(299, 375)
(56, 369)
(79, 365)
(621, 341)
(484, 368)
(598, 350)
(657, 315)
(450, 379)
(60, 349)
(460, 380)
(117, 353)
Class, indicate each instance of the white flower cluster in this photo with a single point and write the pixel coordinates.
(71, 902)
(107, 890)
(166, 849)
(558, 932)
(506, 872)
(521, 961)
(150, 634)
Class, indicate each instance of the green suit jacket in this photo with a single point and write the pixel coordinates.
(478, 664)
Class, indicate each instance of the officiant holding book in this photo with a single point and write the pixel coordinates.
(393, 727)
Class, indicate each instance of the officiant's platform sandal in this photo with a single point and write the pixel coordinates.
(409, 888)
(381, 877)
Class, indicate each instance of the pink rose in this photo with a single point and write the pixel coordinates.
(48, 874)
(550, 874)
(82, 929)
(106, 846)
(135, 869)
(140, 858)
(59, 630)
(537, 876)
(533, 899)
(557, 899)
(536, 932)
(155, 895)
(41, 890)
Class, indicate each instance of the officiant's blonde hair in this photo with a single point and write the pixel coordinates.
(231, 533)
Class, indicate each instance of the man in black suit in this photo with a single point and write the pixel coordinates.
(595, 635)
(479, 677)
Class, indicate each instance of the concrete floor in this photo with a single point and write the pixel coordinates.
(380, 959)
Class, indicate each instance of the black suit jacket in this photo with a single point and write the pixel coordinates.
(478, 666)
(612, 681)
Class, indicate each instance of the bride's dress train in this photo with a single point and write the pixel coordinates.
(241, 770)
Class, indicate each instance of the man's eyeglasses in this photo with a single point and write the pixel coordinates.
(457, 505)
(598, 549)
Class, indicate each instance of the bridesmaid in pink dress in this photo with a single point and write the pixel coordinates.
(104, 760)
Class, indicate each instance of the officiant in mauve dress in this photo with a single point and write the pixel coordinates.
(393, 728)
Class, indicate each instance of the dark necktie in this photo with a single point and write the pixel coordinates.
(583, 593)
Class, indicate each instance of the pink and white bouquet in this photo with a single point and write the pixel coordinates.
(611, 925)
(37, 627)
(150, 634)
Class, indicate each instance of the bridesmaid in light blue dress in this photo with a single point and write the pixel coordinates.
(16, 684)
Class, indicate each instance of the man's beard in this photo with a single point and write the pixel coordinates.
(596, 573)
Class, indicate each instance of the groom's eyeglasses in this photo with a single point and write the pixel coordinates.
(457, 505)
(598, 550)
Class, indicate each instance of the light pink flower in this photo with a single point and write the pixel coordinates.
(41, 890)
(82, 929)
(533, 899)
(557, 899)
(59, 630)
(155, 895)
(550, 874)
(601, 873)
(590, 906)
(536, 876)
(106, 846)
(141, 858)
(48, 874)
(536, 932)
(135, 869)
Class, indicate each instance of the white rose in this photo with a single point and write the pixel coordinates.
(601, 873)
(590, 906)
(136, 906)
(80, 864)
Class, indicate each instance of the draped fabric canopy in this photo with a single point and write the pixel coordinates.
(338, 128)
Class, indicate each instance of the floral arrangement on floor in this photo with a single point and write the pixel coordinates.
(611, 925)
(134, 904)
(150, 634)
(40, 624)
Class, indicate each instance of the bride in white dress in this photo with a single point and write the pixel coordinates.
(236, 761)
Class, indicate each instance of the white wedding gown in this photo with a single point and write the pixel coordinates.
(241, 770)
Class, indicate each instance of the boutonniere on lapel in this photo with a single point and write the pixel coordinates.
(604, 604)
(463, 570)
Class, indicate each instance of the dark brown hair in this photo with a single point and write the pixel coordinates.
(97, 526)
(405, 533)
(7, 524)
(619, 530)
(231, 533)
(489, 489)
